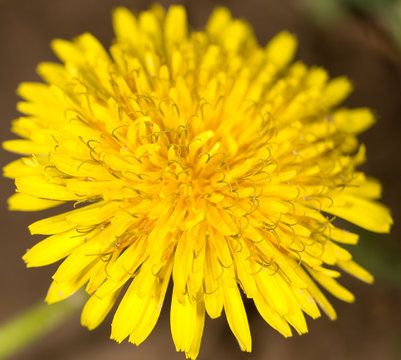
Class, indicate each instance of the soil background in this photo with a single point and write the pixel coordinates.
(357, 47)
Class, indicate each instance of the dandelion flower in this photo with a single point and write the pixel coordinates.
(198, 158)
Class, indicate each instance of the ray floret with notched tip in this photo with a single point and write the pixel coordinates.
(198, 157)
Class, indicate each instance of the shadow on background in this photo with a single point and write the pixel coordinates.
(355, 44)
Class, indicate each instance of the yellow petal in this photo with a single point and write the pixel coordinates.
(281, 49)
(199, 325)
(293, 312)
(83, 258)
(336, 91)
(187, 324)
(94, 215)
(176, 26)
(274, 319)
(124, 23)
(243, 269)
(236, 315)
(27, 147)
(63, 290)
(368, 214)
(57, 223)
(214, 299)
(306, 301)
(354, 121)
(333, 286)
(219, 20)
(153, 308)
(66, 164)
(80, 188)
(95, 310)
(53, 73)
(53, 248)
(317, 294)
(123, 268)
(183, 259)
(342, 236)
(20, 167)
(370, 188)
(38, 186)
(270, 289)
(99, 271)
(25, 202)
(139, 323)
(125, 319)
(150, 27)
(356, 270)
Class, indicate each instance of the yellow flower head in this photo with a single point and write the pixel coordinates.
(195, 156)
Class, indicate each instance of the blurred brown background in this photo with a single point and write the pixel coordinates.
(358, 42)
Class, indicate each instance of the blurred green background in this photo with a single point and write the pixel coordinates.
(357, 38)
